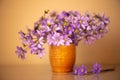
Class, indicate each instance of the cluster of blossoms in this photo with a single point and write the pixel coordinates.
(82, 70)
(65, 28)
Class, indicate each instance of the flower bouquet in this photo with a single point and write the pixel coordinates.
(65, 28)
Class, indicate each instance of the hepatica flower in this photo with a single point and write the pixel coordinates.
(96, 68)
(75, 70)
(65, 28)
(20, 52)
(82, 70)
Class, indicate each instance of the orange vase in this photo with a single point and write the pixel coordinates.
(62, 58)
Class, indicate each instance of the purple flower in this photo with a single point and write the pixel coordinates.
(37, 48)
(20, 52)
(40, 33)
(102, 19)
(75, 70)
(55, 39)
(100, 31)
(82, 70)
(56, 27)
(63, 15)
(41, 40)
(89, 39)
(34, 48)
(68, 30)
(50, 39)
(67, 40)
(96, 68)
(46, 27)
(26, 38)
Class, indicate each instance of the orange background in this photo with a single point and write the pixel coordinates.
(15, 15)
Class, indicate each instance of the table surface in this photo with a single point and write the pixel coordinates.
(43, 72)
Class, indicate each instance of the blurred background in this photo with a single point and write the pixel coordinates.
(16, 15)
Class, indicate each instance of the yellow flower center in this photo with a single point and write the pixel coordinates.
(80, 21)
(90, 23)
(101, 30)
(76, 31)
(88, 37)
(65, 23)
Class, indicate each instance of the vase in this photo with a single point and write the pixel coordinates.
(62, 58)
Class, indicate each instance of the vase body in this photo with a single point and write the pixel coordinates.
(62, 58)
